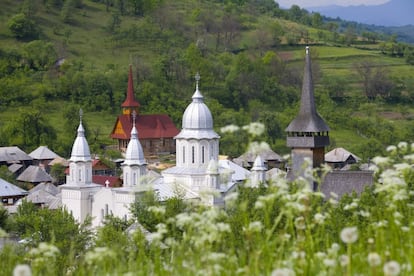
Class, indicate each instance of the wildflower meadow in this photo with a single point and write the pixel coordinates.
(278, 228)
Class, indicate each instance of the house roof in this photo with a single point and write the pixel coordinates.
(339, 155)
(345, 182)
(13, 154)
(34, 174)
(59, 160)
(308, 119)
(15, 167)
(7, 189)
(46, 187)
(43, 153)
(101, 179)
(148, 126)
(130, 99)
(265, 154)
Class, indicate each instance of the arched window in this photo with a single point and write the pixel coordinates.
(202, 154)
(183, 154)
(192, 154)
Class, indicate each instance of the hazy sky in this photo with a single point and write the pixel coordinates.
(316, 3)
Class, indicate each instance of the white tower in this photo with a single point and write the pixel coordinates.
(197, 143)
(134, 166)
(258, 172)
(78, 191)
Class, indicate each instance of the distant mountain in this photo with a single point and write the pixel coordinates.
(392, 13)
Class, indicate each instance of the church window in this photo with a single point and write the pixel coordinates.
(106, 209)
(80, 175)
(202, 154)
(192, 154)
(134, 180)
(126, 179)
(183, 155)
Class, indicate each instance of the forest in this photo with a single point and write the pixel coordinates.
(58, 56)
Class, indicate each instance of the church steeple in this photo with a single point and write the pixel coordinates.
(307, 134)
(134, 166)
(130, 104)
(308, 119)
(80, 166)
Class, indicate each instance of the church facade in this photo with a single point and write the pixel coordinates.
(199, 175)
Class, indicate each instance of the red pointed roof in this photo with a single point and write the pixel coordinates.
(130, 99)
(148, 126)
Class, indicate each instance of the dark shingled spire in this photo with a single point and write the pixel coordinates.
(130, 98)
(308, 119)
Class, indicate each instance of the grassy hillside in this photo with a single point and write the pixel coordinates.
(250, 59)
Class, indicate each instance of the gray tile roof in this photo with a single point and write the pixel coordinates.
(345, 182)
(13, 154)
(43, 153)
(340, 155)
(7, 189)
(34, 174)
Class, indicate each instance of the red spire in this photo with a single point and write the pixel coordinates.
(130, 99)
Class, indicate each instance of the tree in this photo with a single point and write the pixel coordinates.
(375, 79)
(29, 130)
(39, 55)
(22, 26)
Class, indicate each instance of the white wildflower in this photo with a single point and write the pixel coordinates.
(391, 268)
(334, 195)
(370, 240)
(343, 260)
(405, 228)
(381, 160)
(349, 234)
(329, 262)
(406, 267)
(22, 270)
(255, 128)
(320, 255)
(283, 272)
(364, 214)
(255, 226)
(258, 147)
(403, 146)
(300, 223)
(335, 247)
(409, 157)
(157, 210)
(374, 259)
(259, 205)
(319, 218)
(99, 254)
(391, 148)
(229, 129)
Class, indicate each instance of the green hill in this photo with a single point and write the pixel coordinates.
(57, 56)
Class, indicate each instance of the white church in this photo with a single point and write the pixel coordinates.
(198, 175)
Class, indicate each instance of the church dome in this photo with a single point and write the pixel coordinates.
(80, 149)
(197, 119)
(197, 115)
(134, 154)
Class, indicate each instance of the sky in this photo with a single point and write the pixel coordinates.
(317, 3)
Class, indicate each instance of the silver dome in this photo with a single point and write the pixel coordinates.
(134, 154)
(197, 115)
(80, 149)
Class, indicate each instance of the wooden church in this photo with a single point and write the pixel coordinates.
(155, 131)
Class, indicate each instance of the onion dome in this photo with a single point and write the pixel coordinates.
(308, 119)
(134, 154)
(197, 118)
(80, 149)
